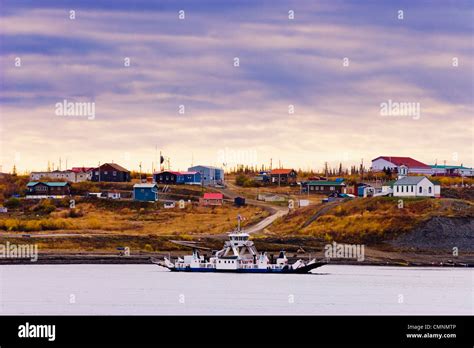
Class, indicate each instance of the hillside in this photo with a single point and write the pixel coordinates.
(368, 221)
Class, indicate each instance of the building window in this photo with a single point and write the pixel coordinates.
(114, 173)
(106, 173)
(429, 189)
(331, 188)
(397, 188)
(412, 189)
(420, 190)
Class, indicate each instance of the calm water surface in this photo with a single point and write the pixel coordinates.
(148, 289)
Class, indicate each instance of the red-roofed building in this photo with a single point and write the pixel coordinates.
(283, 176)
(393, 162)
(211, 199)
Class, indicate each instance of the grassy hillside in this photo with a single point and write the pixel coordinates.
(126, 218)
(368, 220)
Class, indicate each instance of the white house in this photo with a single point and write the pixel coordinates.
(412, 186)
(67, 175)
(393, 162)
(73, 175)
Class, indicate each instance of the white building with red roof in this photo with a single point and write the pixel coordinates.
(393, 162)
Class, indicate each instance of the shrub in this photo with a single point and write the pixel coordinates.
(12, 203)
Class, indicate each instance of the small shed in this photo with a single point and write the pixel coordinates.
(145, 192)
(239, 201)
(211, 199)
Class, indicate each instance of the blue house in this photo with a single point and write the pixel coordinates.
(190, 178)
(145, 192)
(209, 175)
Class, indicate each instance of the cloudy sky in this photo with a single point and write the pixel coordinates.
(336, 62)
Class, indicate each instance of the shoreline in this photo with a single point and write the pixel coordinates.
(103, 259)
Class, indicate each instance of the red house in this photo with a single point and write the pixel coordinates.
(283, 176)
(211, 199)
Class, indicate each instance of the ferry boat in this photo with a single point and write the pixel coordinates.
(239, 255)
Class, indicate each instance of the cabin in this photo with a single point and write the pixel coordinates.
(393, 162)
(40, 190)
(189, 178)
(145, 192)
(166, 177)
(174, 178)
(211, 199)
(110, 172)
(283, 177)
(210, 176)
(324, 187)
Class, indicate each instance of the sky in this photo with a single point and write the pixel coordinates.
(307, 89)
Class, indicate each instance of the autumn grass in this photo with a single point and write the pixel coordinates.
(191, 220)
(368, 220)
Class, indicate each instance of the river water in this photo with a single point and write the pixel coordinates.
(150, 290)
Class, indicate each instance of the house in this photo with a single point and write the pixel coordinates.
(324, 187)
(211, 199)
(411, 186)
(145, 192)
(172, 178)
(166, 177)
(283, 176)
(82, 173)
(448, 170)
(189, 178)
(75, 174)
(209, 175)
(110, 172)
(393, 162)
(39, 190)
(66, 175)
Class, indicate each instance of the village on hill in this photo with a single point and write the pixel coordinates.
(108, 208)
